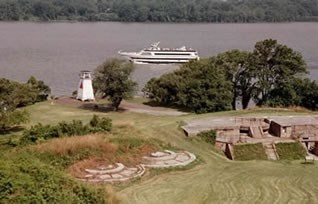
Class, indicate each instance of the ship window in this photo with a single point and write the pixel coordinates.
(146, 53)
(186, 54)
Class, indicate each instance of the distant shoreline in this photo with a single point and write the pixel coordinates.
(150, 22)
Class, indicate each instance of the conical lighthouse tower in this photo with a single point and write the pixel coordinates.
(85, 88)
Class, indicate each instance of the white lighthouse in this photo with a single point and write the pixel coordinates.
(85, 88)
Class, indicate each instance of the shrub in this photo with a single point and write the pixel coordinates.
(208, 136)
(24, 179)
(38, 133)
(76, 127)
(41, 132)
(101, 124)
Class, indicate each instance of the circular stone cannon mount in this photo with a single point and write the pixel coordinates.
(168, 158)
(119, 172)
(112, 173)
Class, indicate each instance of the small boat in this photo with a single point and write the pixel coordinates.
(155, 54)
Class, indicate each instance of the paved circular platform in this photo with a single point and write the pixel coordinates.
(119, 172)
(168, 159)
(112, 173)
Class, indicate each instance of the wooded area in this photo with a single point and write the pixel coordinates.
(272, 75)
(160, 11)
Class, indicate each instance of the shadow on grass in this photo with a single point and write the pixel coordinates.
(11, 130)
(100, 108)
(157, 104)
(307, 163)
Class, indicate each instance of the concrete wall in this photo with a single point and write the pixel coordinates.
(229, 151)
(280, 131)
(286, 131)
(275, 129)
(309, 131)
(228, 135)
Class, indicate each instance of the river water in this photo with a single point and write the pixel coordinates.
(56, 52)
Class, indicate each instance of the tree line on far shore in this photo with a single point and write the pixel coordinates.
(161, 11)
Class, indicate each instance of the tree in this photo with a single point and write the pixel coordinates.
(274, 65)
(297, 92)
(43, 90)
(8, 119)
(112, 79)
(198, 85)
(13, 95)
(237, 68)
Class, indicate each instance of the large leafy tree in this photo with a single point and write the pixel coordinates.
(237, 69)
(274, 66)
(204, 88)
(112, 80)
(13, 95)
(297, 92)
(43, 90)
(198, 85)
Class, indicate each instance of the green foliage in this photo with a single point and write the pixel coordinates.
(43, 90)
(290, 151)
(237, 68)
(249, 152)
(8, 119)
(14, 95)
(160, 11)
(198, 85)
(101, 124)
(208, 136)
(112, 79)
(272, 75)
(274, 65)
(39, 132)
(308, 91)
(24, 179)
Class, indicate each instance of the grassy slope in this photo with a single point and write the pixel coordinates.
(249, 152)
(290, 151)
(215, 180)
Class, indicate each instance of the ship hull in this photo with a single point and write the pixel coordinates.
(154, 59)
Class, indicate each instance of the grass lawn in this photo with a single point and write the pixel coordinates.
(215, 179)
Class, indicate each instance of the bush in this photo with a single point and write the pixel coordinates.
(41, 132)
(208, 136)
(101, 124)
(24, 179)
(76, 127)
(38, 133)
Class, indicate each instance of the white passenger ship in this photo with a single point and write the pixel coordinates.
(155, 54)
